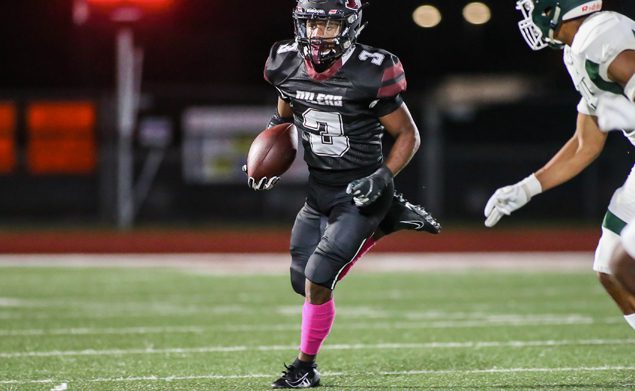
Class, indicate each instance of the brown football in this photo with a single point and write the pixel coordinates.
(272, 151)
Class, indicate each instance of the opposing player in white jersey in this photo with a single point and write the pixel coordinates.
(622, 263)
(599, 53)
(618, 112)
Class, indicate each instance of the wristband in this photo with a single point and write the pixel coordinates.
(531, 185)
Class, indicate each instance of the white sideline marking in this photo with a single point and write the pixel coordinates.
(11, 302)
(258, 264)
(61, 387)
(242, 348)
(332, 374)
(520, 321)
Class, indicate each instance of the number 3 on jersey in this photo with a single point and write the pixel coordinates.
(331, 140)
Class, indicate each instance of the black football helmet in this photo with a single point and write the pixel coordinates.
(323, 51)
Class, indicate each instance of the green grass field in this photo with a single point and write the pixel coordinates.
(176, 329)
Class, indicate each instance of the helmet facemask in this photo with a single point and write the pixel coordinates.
(323, 36)
(542, 19)
(321, 40)
(539, 25)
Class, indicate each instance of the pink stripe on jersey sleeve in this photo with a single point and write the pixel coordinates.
(392, 89)
(393, 72)
(393, 81)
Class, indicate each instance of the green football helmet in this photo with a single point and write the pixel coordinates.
(542, 19)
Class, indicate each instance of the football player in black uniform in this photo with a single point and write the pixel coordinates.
(342, 96)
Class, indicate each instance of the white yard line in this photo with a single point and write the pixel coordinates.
(509, 370)
(330, 374)
(243, 348)
(279, 263)
(106, 331)
(348, 313)
(520, 321)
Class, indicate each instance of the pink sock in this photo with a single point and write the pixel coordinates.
(368, 244)
(317, 321)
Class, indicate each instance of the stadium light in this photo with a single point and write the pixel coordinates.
(157, 4)
(427, 16)
(477, 13)
(122, 11)
(128, 84)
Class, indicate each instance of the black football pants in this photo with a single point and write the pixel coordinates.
(329, 231)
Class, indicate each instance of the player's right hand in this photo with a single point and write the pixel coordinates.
(366, 190)
(510, 198)
(615, 112)
(263, 184)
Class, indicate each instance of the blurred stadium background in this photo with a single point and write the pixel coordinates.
(490, 111)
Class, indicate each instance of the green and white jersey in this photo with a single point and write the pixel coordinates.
(600, 39)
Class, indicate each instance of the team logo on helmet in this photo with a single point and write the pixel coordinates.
(353, 4)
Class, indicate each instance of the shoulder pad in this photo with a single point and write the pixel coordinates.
(282, 56)
(603, 36)
(383, 72)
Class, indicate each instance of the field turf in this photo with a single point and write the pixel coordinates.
(179, 329)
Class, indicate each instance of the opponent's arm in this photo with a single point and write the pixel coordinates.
(618, 111)
(400, 125)
(577, 154)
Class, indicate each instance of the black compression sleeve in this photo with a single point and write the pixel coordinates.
(277, 120)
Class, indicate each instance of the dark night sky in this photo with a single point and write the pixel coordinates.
(225, 43)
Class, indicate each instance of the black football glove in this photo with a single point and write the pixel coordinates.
(263, 184)
(366, 190)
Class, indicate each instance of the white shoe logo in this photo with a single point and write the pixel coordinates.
(302, 382)
(416, 224)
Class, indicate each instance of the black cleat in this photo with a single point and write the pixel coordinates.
(297, 376)
(404, 215)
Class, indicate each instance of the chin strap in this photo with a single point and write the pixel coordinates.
(552, 41)
(322, 67)
(361, 28)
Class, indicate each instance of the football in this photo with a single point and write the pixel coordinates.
(272, 151)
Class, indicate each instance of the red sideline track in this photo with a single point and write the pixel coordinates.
(277, 241)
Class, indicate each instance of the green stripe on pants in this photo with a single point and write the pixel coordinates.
(613, 223)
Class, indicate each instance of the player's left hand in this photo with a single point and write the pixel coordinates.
(263, 184)
(366, 190)
(615, 112)
(510, 198)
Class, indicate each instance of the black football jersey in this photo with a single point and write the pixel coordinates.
(337, 111)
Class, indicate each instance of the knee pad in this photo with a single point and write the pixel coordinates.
(604, 251)
(297, 280)
(628, 239)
